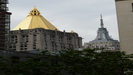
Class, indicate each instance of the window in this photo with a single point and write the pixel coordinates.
(21, 49)
(132, 7)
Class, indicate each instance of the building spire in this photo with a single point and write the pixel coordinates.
(102, 25)
(34, 12)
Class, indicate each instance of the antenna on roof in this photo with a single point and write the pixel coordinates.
(102, 25)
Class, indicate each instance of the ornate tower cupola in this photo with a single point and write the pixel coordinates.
(103, 40)
(102, 33)
(34, 12)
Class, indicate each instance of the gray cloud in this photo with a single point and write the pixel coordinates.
(82, 16)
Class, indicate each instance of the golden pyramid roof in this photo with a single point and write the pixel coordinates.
(35, 20)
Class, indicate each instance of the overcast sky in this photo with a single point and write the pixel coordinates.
(81, 16)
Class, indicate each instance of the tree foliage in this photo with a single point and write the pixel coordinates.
(70, 62)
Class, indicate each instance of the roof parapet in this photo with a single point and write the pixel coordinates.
(120, 0)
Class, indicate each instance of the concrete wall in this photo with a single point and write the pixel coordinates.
(124, 10)
(41, 39)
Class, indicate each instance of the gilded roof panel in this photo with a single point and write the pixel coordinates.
(35, 20)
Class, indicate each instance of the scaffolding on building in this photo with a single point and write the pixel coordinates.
(4, 25)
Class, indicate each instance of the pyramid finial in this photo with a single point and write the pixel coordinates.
(34, 12)
(102, 25)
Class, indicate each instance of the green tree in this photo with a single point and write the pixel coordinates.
(70, 62)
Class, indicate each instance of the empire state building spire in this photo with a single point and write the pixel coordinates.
(102, 25)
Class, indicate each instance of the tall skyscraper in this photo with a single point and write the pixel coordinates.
(124, 10)
(4, 25)
(103, 40)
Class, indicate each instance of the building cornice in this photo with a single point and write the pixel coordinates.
(120, 0)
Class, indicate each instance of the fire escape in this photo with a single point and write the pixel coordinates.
(4, 25)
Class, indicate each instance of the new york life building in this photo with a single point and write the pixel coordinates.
(36, 33)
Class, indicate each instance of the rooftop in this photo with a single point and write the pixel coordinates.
(35, 20)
